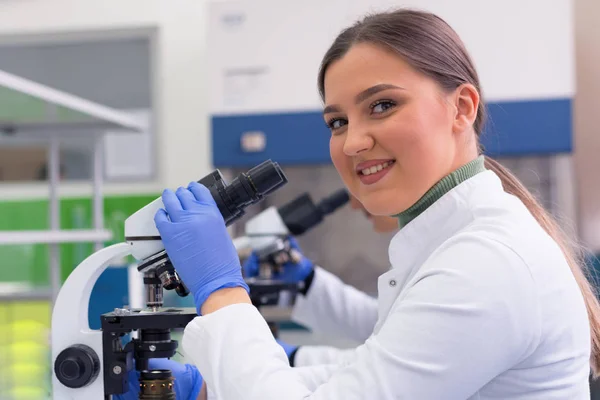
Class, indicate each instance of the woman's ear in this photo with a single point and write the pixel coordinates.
(466, 101)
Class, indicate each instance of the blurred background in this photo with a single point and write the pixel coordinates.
(104, 104)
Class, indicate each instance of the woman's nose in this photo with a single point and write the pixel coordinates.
(357, 141)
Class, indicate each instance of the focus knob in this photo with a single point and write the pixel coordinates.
(77, 366)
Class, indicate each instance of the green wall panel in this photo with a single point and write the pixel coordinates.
(30, 262)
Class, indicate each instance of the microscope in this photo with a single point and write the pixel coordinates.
(94, 364)
(267, 234)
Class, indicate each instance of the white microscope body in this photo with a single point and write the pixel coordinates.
(80, 354)
(70, 324)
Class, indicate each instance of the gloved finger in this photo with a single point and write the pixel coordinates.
(201, 193)
(171, 203)
(160, 218)
(186, 198)
(294, 243)
(288, 348)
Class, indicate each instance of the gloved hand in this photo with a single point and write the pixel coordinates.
(194, 234)
(291, 272)
(288, 348)
(188, 380)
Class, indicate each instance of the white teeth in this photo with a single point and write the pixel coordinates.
(375, 168)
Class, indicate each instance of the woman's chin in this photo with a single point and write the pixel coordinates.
(384, 202)
(380, 209)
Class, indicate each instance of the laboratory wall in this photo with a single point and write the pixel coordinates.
(267, 83)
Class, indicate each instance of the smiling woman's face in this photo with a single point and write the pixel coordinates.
(392, 128)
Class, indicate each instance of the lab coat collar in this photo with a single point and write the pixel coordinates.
(454, 210)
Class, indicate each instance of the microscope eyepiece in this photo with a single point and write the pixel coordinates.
(334, 201)
(246, 189)
(266, 177)
(302, 214)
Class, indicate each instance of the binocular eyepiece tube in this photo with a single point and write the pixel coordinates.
(246, 189)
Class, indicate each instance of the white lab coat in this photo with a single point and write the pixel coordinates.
(479, 304)
(336, 309)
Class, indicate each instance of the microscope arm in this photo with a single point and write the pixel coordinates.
(81, 347)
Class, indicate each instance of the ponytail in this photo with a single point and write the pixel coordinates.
(572, 252)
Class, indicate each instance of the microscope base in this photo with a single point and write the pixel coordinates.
(154, 341)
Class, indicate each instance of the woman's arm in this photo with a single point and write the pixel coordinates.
(318, 355)
(469, 316)
(332, 307)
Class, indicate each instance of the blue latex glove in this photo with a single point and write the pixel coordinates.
(188, 380)
(288, 348)
(291, 272)
(194, 234)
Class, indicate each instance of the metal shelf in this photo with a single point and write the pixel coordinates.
(98, 112)
(50, 236)
(43, 293)
(96, 119)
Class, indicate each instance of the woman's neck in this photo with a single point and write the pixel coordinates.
(441, 188)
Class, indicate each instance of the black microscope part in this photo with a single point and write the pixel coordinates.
(267, 177)
(334, 201)
(302, 214)
(246, 189)
(170, 279)
(77, 366)
(299, 216)
(154, 342)
(157, 385)
(155, 374)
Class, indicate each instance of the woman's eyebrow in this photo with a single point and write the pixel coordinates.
(362, 96)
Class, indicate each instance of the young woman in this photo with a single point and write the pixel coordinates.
(485, 299)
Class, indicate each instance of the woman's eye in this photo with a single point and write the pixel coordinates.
(336, 123)
(382, 106)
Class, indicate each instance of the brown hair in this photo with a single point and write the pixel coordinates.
(432, 47)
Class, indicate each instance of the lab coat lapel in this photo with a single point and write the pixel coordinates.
(415, 242)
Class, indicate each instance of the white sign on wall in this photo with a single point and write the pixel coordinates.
(130, 156)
